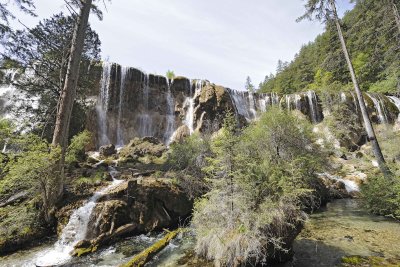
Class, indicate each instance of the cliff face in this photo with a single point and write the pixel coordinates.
(134, 104)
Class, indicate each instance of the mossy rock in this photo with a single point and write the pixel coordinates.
(370, 261)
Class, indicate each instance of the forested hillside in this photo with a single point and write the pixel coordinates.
(373, 40)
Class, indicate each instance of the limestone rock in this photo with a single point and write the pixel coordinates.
(107, 150)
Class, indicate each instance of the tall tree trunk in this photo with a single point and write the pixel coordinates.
(67, 97)
(367, 122)
(395, 13)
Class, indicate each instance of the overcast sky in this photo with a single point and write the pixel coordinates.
(223, 41)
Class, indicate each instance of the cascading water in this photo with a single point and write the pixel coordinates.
(396, 102)
(120, 138)
(252, 108)
(144, 119)
(75, 230)
(313, 104)
(103, 102)
(242, 103)
(170, 129)
(380, 108)
(189, 103)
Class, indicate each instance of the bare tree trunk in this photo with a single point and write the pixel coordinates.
(65, 105)
(367, 122)
(395, 13)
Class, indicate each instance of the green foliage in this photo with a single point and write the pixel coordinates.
(382, 195)
(343, 122)
(76, 150)
(44, 49)
(249, 85)
(372, 39)
(34, 170)
(187, 154)
(261, 181)
(188, 159)
(170, 74)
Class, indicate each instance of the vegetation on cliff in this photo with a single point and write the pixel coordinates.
(372, 39)
(260, 180)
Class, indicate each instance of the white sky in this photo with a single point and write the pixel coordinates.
(223, 41)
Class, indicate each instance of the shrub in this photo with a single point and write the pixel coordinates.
(188, 158)
(76, 150)
(382, 195)
(261, 181)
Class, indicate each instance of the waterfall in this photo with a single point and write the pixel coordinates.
(396, 101)
(75, 230)
(313, 104)
(379, 106)
(343, 97)
(241, 103)
(189, 103)
(103, 103)
(5, 146)
(120, 138)
(145, 121)
(263, 101)
(355, 101)
(170, 114)
(252, 109)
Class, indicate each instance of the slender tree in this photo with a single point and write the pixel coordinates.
(324, 10)
(395, 11)
(67, 97)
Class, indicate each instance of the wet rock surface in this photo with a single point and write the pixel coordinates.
(345, 229)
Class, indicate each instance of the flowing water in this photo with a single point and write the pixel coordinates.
(120, 138)
(103, 103)
(343, 228)
(170, 129)
(189, 104)
(380, 107)
(75, 231)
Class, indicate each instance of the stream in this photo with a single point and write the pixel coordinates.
(341, 228)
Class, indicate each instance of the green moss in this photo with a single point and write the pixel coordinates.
(142, 258)
(78, 252)
(352, 260)
(371, 261)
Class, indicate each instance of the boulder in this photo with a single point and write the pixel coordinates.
(142, 147)
(180, 134)
(151, 205)
(107, 150)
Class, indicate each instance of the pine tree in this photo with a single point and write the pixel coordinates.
(325, 10)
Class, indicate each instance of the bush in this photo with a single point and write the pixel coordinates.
(381, 195)
(262, 179)
(188, 158)
(76, 150)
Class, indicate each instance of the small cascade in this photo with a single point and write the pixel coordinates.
(120, 138)
(313, 105)
(262, 102)
(189, 103)
(242, 103)
(170, 129)
(145, 121)
(350, 185)
(252, 108)
(380, 108)
(343, 97)
(75, 230)
(355, 101)
(103, 103)
(4, 150)
(395, 101)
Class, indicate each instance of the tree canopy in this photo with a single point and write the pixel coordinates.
(373, 42)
